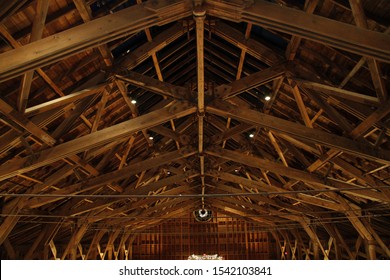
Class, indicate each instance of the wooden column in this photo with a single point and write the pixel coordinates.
(199, 16)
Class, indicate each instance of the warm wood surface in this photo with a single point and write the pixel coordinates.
(119, 119)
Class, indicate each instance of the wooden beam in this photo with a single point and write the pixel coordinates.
(293, 173)
(92, 251)
(259, 78)
(308, 26)
(252, 47)
(25, 123)
(41, 9)
(14, 206)
(86, 15)
(10, 250)
(277, 148)
(163, 88)
(372, 119)
(112, 176)
(104, 136)
(100, 110)
(64, 100)
(295, 41)
(135, 190)
(74, 241)
(90, 34)
(340, 93)
(140, 54)
(300, 131)
(373, 65)
(262, 187)
(243, 52)
(301, 105)
(334, 115)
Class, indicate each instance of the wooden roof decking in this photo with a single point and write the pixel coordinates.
(78, 155)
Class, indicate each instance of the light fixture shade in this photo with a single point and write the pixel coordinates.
(203, 215)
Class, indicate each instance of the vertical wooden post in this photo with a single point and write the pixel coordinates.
(371, 249)
(316, 250)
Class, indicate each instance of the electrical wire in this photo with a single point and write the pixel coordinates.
(123, 196)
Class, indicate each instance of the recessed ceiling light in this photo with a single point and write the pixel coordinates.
(251, 135)
(267, 98)
(133, 101)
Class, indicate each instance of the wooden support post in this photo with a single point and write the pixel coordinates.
(42, 7)
(371, 249)
(74, 241)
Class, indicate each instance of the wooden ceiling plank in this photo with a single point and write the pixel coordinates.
(98, 138)
(296, 130)
(87, 35)
(308, 26)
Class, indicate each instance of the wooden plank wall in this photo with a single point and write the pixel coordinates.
(230, 238)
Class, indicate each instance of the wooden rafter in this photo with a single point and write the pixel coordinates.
(86, 36)
(308, 26)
